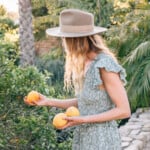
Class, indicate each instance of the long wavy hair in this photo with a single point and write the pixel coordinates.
(77, 50)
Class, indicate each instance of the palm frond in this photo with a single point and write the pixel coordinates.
(139, 86)
(142, 51)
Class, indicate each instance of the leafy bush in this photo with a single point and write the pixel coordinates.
(6, 25)
(55, 66)
(22, 126)
(42, 11)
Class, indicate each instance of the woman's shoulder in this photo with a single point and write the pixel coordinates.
(103, 56)
(110, 64)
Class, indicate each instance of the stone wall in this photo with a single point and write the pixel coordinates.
(135, 134)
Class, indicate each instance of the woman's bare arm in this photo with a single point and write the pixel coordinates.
(61, 103)
(45, 101)
(117, 93)
(115, 89)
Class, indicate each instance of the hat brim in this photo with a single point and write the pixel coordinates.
(57, 32)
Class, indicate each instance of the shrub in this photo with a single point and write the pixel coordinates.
(22, 126)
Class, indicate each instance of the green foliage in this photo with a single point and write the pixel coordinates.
(27, 127)
(130, 41)
(42, 11)
(139, 75)
(6, 26)
(47, 18)
(52, 63)
(127, 36)
(22, 126)
(17, 81)
(9, 22)
(119, 15)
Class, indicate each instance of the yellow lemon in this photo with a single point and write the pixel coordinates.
(58, 120)
(33, 96)
(72, 111)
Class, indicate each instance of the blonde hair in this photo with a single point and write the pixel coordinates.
(77, 50)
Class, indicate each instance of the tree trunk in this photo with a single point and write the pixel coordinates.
(26, 38)
(99, 10)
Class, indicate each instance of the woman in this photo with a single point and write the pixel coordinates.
(93, 71)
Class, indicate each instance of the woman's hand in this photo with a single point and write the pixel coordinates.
(43, 101)
(73, 121)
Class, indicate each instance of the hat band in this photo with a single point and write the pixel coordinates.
(76, 29)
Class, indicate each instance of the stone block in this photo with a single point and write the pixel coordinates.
(134, 132)
(145, 116)
(125, 144)
(124, 131)
(132, 147)
(133, 127)
(139, 144)
(126, 139)
(146, 126)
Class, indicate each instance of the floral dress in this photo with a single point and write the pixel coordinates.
(92, 100)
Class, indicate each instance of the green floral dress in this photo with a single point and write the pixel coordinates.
(92, 100)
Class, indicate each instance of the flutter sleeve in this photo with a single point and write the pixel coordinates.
(111, 65)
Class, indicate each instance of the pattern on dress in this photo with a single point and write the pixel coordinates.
(92, 100)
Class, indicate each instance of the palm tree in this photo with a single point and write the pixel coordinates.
(27, 51)
(138, 70)
(131, 42)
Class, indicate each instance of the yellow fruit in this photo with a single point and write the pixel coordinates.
(58, 120)
(72, 111)
(33, 96)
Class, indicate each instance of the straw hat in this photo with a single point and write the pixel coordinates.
(75, 23)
